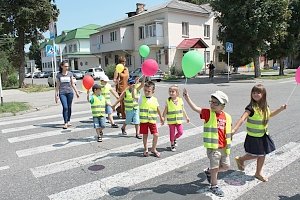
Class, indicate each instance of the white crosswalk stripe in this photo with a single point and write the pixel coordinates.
(123, 178)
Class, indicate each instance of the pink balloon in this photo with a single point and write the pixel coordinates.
(297, 76)
(149, 67)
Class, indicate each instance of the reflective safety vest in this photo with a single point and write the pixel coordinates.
(105, 91)
(98, 106)
(255, 126)
(175, 112)
(211, 136)
(129, 102)
(148, 110)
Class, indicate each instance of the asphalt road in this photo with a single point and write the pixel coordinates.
(39, 160)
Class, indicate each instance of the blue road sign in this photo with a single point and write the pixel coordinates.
(50, 51)
(229, 47)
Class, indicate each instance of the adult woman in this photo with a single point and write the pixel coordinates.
(121, 82)
(64, 91)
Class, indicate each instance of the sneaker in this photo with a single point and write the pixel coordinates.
(99, 138)
(175, 143)
(217, 191)
(207, 173)
(173, 148)
(114, 126)
(123, 131)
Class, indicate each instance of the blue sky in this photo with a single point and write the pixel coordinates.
(74, 14)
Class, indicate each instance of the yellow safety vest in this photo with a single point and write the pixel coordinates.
(105, 91)
(148, 110)
(175, 112)
(255, 126)
(129, 102)
(211, 136)
(98, 106)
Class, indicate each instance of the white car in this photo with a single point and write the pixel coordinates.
(96, 72)
(50, 79)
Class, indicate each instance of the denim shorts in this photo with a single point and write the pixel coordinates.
(99, 122)
(108, 109)
(132, 116)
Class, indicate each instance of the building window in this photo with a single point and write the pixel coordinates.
(70, 48)
(75, 48)
(141, 32)
(185, 29)
(206, 31)
(102, 39)
(150, 30)
(207, 56)
(128, 60)
(113, 36)
(116, 59)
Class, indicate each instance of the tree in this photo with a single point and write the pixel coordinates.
(35, 54)
(25, 19)
(251, 25)
(290, 44)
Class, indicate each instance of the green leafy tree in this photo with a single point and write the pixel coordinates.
(25, 19)
(251, 25)
(289, 45)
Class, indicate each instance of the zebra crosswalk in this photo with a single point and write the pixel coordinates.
(61, 162)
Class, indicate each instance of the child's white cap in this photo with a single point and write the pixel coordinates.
(221, 96)
(104, 78)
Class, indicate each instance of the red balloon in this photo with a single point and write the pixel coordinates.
(149, 67)
(88, 82)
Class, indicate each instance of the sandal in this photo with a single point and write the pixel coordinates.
(217, 191)
(239, 164)
(261, 178)
(65, 126)
(123, 131)
(146, 154)
(99, 139)
(138, 136)
(156, 154)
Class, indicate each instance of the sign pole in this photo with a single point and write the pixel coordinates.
(31, 73)
(228, 67)
(54, 60)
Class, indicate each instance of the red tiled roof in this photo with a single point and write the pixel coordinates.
(192, 43)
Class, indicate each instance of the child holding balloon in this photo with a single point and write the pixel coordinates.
(174, 111)
(216, 136)
(257, 143)
(98, 103)
(131, 96)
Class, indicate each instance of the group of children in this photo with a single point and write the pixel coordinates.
(143, 110)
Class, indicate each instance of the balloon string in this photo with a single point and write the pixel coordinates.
(291, 94)
(185, 81)
(140, 78)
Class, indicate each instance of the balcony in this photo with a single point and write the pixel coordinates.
(157, 41)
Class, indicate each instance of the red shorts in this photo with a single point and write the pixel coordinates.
(144, 128)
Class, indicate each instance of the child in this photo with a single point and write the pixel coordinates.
(257, 143)
(98, 103)
(216, 136)
(131, 96)
(149, 108)
(175, 111)
(105, 91)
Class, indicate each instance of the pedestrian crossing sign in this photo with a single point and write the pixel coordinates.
(229, 47)
(50, 51)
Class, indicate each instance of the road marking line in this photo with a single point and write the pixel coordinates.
(289, 81)
(243, 183)
(4, 167)
(104, 155)
(65, 144)
(100, 188)
(47, 134)
(17, 121)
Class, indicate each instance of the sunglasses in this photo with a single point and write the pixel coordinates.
(215, 103)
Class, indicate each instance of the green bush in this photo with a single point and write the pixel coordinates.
(175, 71)
(11, 81)
(109, 71)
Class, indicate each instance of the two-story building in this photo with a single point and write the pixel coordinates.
(170, 30)
(72, 45)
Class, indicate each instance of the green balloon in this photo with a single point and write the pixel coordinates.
(192, 63)
(144, 50)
